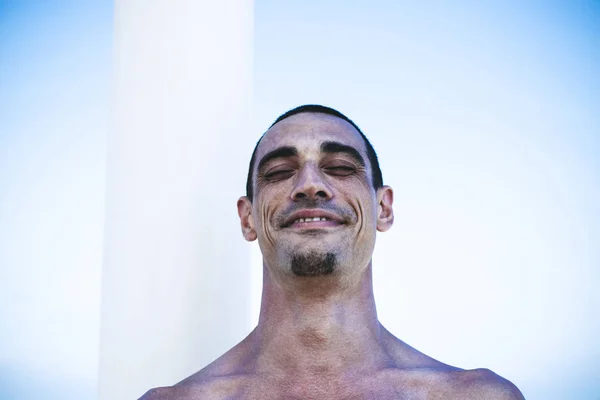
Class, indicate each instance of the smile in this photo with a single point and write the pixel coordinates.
(315, 219)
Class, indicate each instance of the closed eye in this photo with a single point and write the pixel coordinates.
(339, 170)
(278, 174)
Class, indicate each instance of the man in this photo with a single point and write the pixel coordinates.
(315, 199)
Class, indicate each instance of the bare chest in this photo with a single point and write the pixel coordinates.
(358, 389)
(382, 393)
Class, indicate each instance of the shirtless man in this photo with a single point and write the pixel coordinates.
(315, 199)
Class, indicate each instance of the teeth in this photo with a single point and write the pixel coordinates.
(311, 219)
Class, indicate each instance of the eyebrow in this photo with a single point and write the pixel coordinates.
(326, 147)
(280, 152)
(337, 147)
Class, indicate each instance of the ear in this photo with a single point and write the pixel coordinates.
(244, 207)
(385, 213)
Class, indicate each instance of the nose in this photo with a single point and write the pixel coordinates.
(311, 184)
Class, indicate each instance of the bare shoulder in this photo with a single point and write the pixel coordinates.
(453, 383)
(208, 388)
(484, 384)
(218, 380)
(430, 378)
(164, 393)
(223, 378)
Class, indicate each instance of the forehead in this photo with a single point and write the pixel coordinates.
(306, 132)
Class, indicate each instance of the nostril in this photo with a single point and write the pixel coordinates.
(300, 195)
(321, 193)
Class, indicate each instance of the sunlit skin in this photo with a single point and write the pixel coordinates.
(318, 337)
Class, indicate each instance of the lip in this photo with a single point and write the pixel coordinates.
(332, 219)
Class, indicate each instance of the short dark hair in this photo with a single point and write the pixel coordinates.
(315, 108)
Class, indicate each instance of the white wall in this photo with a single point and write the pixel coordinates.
(176, 269)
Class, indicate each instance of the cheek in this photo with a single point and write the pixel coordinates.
(362, 201)
(270, 198)
(265, 215)
(261, 218)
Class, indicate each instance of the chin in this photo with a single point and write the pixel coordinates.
(313, 264)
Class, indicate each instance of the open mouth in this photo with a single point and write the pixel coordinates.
(313, 223)
(312, 219)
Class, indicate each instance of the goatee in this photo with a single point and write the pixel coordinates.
(315, 264)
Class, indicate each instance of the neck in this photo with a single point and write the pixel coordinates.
(320, 325)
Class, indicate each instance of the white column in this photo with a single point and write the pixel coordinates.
(176, 270)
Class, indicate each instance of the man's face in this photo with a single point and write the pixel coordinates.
(314, 202)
